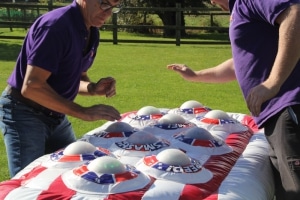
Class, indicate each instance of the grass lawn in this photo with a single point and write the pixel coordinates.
(142, 79)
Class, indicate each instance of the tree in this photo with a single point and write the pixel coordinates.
(169, 17)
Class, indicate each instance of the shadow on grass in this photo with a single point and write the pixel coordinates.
(209, 36)
(9, 52)
(9, 49)
(203, 36)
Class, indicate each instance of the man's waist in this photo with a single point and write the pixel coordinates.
(16, 94)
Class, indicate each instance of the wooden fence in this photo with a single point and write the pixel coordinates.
(15, 15)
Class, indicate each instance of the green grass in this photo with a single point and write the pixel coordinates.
(142, 79)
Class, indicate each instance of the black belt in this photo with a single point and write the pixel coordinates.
(16, 94)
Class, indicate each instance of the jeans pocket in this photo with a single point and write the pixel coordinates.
(292, 115)
(5, 104)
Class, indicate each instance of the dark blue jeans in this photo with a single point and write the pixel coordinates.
(283, 133)
(29, 134)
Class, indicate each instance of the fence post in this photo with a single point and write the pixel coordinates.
(50, 5)
(178, 23)
(115, 28)
(24, 17)
(9, 17)
(38, 11)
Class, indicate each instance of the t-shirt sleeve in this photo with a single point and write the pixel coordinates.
(269, 10)
(46, 49)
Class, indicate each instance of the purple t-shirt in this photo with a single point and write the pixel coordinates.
(254, 40)
(56, 43)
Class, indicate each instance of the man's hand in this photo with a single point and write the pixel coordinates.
(183, 70)
(259, 94)
(100, 112)
(105, 86)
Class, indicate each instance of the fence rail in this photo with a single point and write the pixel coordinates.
(15, 15)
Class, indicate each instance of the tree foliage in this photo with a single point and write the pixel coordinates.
(167, 17)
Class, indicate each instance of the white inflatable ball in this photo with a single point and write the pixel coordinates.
(191, 104)
(79, 147)
(171, 118)
(173, 157)
(217, 114)
(119, 127)
(106, 165)
(198, 133)
(142, 137)
(148, 110)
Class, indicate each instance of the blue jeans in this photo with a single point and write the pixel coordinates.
(29, 134)
(283, 133)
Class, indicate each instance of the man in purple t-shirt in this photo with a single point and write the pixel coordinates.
(265, 45)
(50, 71)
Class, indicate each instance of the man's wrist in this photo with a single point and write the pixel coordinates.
(91, 88)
